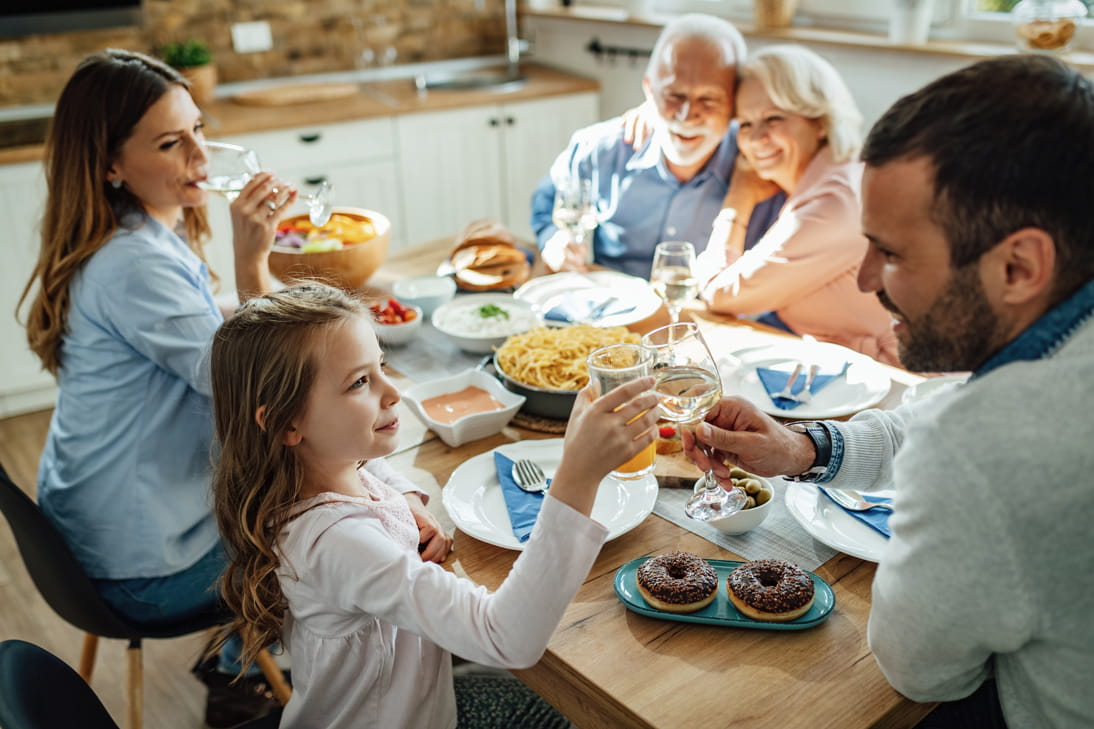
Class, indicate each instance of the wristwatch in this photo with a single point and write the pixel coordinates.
(822, 444)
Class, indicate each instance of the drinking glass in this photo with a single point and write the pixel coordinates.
(615, 365)
(231, 167)
(688, 385)
(673, 275)
(575, 210)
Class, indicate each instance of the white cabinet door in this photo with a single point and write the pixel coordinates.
(535, 133)
(22, 198)
(450, 165)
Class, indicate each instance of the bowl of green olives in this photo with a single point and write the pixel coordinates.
(761, 496)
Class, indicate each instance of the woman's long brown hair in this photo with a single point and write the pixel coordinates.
(264, 357)
(100, 105)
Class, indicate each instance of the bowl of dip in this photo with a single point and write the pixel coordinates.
(479, 323)
(426, 292)
(463, 407)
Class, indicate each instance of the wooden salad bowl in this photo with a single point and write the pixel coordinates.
(348, 267)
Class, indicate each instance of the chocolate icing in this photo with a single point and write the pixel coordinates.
(771, 585)
(677, 578)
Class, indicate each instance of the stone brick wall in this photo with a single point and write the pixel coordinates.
(309, 36)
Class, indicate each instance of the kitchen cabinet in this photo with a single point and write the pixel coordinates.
(25, 385)
(482, 162)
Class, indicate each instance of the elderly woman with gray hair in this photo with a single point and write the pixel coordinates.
(798, 131)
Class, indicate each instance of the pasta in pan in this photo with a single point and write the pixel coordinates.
(555, 358)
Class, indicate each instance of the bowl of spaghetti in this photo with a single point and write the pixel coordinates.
(547, 365)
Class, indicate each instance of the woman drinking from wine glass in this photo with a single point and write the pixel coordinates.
(122, 314)
(799, 128)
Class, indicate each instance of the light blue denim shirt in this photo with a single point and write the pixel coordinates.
(641, 202)
(126, 470)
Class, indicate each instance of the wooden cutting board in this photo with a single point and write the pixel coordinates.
(296, 94)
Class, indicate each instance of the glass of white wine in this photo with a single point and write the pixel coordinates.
(231, 167)
(688, 386)
(673, 275)
(575, 211)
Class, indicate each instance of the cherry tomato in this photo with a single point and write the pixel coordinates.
(666, 431)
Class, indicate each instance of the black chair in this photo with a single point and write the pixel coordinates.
(39, 691)
(69, 591)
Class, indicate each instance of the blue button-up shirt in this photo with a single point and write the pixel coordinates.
(126, 470)
(641, 203)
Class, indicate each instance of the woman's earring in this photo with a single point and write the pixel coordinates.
(116, 184)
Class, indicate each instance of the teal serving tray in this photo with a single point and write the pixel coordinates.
(721, 611)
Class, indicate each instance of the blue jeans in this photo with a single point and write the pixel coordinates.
(175, 598)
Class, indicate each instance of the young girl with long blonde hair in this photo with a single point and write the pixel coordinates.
(326, 556)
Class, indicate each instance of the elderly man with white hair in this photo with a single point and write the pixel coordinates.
(673, 185)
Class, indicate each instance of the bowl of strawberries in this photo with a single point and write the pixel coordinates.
(395, 323)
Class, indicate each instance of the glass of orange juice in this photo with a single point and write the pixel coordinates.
(615, 365)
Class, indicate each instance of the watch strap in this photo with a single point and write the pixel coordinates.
(817, 432)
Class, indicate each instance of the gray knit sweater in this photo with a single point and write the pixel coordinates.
(990, 569)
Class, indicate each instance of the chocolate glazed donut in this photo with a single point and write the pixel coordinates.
(678, 582)
(771, 589)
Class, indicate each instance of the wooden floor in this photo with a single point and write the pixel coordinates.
(173, 699)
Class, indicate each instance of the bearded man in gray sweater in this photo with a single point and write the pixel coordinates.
(977, 205)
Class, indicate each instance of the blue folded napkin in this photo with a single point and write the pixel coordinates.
(876, 518)
(580, 307)
(775, 380)
(522, 506)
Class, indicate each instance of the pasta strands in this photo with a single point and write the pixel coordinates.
(555, 358)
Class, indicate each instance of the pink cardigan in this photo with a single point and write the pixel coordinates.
(805, 266)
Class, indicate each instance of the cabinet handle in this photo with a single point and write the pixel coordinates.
(310, 138)
(494, 122)
(315, 180)
(510, 120)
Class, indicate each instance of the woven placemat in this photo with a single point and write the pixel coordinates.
(539, 423)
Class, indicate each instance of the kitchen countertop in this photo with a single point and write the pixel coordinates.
(376, 99)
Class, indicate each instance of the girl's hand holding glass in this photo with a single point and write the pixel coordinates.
(620, 424)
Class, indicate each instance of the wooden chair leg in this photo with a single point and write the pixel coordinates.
(281, 689)
(87, 656)
(135, 690)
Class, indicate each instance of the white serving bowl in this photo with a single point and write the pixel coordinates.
(745, 519)
(395, 335)
(452, 319)
(428, 292)
(469, 427)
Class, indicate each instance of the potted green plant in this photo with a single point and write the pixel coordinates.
(194, 60)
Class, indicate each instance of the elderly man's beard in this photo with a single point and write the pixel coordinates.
(679, 153)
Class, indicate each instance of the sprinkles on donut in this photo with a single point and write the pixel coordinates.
(677, 582)
(770, 589)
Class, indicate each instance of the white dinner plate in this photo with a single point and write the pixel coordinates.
(544, 292)
(828, 523)
(473, 499)
(864, 384)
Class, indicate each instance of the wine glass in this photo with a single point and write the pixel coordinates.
(688, 386)
(673, 275)
(232, 166)
(575, 210)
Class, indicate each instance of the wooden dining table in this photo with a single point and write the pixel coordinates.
(609, 668)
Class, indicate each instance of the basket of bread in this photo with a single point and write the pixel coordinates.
(485, 257)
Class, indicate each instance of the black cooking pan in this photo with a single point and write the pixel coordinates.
(555, 404)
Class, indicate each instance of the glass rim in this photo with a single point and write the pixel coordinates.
(645, 356)
(688, 326)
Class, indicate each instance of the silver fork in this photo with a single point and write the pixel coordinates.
(806, 393)
(787, 392)
(853, 501)
(529, 476)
